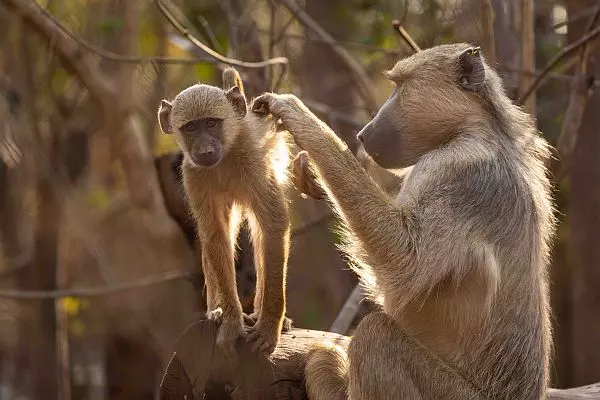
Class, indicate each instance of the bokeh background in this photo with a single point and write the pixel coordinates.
(99, 266)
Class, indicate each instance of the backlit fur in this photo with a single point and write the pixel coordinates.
(458, 258)
(248, 181)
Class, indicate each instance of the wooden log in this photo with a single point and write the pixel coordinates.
(198, 370)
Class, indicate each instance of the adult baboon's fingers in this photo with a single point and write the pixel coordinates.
(261, 105)
(303, 177)
(280, 127)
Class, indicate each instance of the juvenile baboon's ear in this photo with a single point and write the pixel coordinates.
(237, 100)
(164, 117)
(471, 69)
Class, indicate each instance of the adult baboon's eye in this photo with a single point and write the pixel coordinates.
(210, 122)
(189, 127)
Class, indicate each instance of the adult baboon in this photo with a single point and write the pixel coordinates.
(458, 259)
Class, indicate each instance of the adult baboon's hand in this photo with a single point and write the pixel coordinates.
(297, 119)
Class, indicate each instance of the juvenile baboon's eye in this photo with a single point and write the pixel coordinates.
(189, 127)
(210, 122)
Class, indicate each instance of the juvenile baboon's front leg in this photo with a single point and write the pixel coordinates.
(271, 235)
(383, 363)
(212, 294)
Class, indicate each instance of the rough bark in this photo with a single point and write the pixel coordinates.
(197, 368)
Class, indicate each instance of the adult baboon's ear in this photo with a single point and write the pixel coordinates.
(471, 69)
(237, 100)
(164, 117)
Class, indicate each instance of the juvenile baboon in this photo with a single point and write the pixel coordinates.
(458, 258)
(234, 164)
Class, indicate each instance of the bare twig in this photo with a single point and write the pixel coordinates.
(362, 80)
(109, 55)
(404, 35)
(209, 34)
(225, 60)
(550, 75)
(96, 291)
(567, 52)
(348, 312)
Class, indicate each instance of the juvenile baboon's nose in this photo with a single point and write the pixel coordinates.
(206, 155)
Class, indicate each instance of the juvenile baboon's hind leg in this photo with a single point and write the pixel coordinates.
(384, 364)
(271, 234)
(258, 243)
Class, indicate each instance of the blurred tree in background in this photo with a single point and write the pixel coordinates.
(90, 195)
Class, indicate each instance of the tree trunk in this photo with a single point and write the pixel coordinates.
(584, 216)
(528, 51)
(41, 332)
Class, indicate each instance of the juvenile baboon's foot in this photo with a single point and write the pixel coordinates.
(287, 324)
(215, 315)
(250, 321)
(230, 331)
(264, 335)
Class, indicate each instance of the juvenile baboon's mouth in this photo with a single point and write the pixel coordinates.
(206, 161)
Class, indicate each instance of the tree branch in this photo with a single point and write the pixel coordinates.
(365, 86)
(125, 58)
(96, 291)
(348, 312)
(404, 35)
(567, 52)
(40, 20)
(225, 60)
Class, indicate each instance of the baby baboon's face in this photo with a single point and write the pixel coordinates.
(205, 120)
(437, 92)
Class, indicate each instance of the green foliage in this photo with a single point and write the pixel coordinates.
(98, 198)
(109, 25)
(312, 313)
(204, 72)
(147, 38)
(59, 79)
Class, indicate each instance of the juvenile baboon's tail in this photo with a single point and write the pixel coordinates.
(326, 373)
(231, 77)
